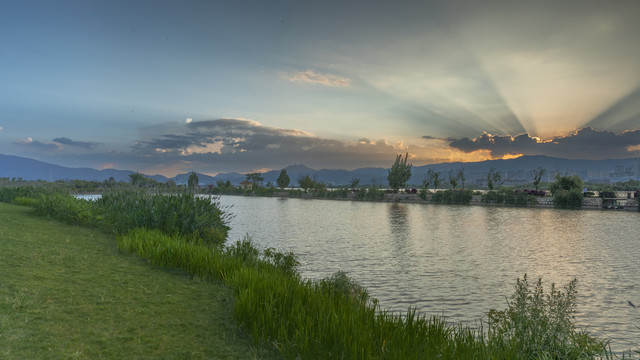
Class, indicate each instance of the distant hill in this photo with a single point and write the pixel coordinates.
(29, 169)
(513, 171)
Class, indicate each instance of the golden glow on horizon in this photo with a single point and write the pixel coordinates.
(509, 156)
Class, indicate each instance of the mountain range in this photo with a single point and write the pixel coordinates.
(513, 171)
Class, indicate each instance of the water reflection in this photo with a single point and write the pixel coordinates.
(400, 230)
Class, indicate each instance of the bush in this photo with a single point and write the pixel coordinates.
(568, 199)
(341, 283)
(510, 197)
(9, 193)
(338, 194)
(538, 325)
(371, 194)
(194, 217)
(461, 197)
(67, 208)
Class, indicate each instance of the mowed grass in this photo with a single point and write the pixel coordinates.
(67, 292)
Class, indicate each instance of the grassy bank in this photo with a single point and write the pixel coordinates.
(66, 292)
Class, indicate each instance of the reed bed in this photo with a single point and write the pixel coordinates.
(335, 318)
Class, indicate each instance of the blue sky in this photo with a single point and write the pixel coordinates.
(217, 86)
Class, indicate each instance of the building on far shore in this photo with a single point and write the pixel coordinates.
(246, 185)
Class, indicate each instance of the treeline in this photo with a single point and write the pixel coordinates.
(89, 186)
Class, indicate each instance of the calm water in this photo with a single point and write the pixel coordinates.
(459, 261)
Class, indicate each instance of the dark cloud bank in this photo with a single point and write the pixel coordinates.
(242, 145)
(585, 143)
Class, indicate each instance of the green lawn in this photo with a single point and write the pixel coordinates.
(66, 292)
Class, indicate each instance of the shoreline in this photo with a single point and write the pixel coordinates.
(589, 203)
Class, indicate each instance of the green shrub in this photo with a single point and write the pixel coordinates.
(341, 283)
(8, 193)
(568, 199)
(460, 197)
(67, 208)
(509, 197)
(185, 214)
(338, 194)
(423, 194)
(285, 262)
(25, 201)
(538, 325)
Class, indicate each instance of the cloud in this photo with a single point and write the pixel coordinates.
(0, 128)
(312, 77)
(83, 144)
(38, 145)
(429, 137)
(239, 144)
(585, 143)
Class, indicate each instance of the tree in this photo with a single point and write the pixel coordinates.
(192, 181)
(426, 182)
(567, 192)
(566, 182)
(399, 173)
(255, 178)
(306, 182)
(494, 179)
(283, 179)
(453, 179)
(460, 176)
(140, 180)
(136, 178)
(537, 177)
(354, 182)
(435, 178)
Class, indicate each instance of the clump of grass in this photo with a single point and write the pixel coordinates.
(196, 219)
(25, 201)
(9, 193)
(183, 213)
(67, 208)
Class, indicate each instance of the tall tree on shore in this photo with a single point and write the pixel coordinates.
(399, 173)
(354, 183)
(192, 181)
(283, 179)
(494, 179)
(537, 177)
(306, 182)
(453, 179)
(434, 178)
(460, 176)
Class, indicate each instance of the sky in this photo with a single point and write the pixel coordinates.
(168, 87)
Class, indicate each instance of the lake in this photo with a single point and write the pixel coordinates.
(458, 261)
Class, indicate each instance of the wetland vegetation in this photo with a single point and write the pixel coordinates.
(301, 318)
